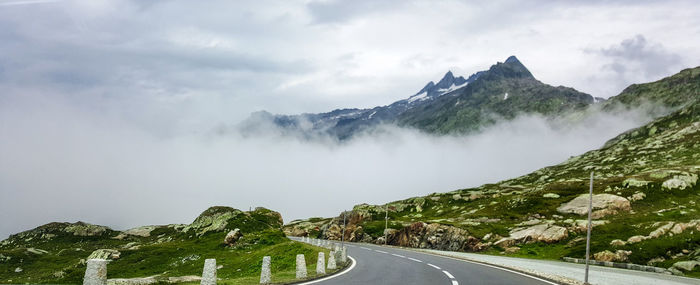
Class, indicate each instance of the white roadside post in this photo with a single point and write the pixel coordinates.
(96, 272)
(588, 237)
(301, 266)
(265, 275)
(321, 264)
(209, 272)
(331, 260)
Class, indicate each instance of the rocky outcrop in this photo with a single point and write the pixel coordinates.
(435, 236)
(104, 254)
(666, 229)
(603, 205)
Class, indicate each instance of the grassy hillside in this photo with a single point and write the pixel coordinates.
(646, 203)
(56, 252)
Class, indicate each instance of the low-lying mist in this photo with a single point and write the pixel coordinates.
(64, 163)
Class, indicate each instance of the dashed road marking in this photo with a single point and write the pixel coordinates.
(454, 282)
(448, 274)
(362, 247)
(380, 251)
(416, 260)
(434, 266)
(398, 255)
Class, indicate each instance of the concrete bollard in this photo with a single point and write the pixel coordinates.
(331, 260)
(265, 276)
(96, 272)
(321, 264)
(344, 255)
(301, 266)
(209, 272)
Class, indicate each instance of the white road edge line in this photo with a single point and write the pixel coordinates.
(354, 262)
(434, 266)
(448, 274)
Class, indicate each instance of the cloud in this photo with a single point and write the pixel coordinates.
(638, 60)
(66, 163)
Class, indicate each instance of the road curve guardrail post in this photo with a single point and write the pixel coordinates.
(209, 272)
(301, 266)
(96, 272)
(265, 275)
(321, 264)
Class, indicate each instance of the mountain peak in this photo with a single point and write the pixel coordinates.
(512, 59)
(511, 68)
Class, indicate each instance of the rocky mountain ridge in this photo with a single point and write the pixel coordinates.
(453, 105)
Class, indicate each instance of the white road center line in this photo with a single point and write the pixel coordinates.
(380, 251)
(438, 268)
(448, 274)
(398, 255)
(362, 247)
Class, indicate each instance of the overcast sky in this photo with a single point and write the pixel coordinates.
(93, 88)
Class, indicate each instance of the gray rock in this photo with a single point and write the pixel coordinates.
(209, 272)
(265, 275)
(321, 264)
(686, 265)
(96, 272)
(331, 260)
(301, 266)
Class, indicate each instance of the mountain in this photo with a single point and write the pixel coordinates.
(56, 252)
(453, 105)
(646, 198)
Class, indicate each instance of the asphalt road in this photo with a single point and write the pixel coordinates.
(386, 265)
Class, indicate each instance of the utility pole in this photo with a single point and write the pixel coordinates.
(342, 238)
(588, 238)
(386, 223)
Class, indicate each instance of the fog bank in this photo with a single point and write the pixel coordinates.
(60, 162)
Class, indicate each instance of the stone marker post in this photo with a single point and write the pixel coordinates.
(301, 266)
(209, 272)
(321, 264)
(331, 260)
(265, 276)
(96, 272)
(344, 255)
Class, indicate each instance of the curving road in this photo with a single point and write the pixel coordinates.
(386, 265)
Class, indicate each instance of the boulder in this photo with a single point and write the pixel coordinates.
(603, 205)
(686, 265)
(232, 237)
(539, 233)
(617, 256)
(680, 182)
(551, 195)
(617, 243)
(636, 239)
